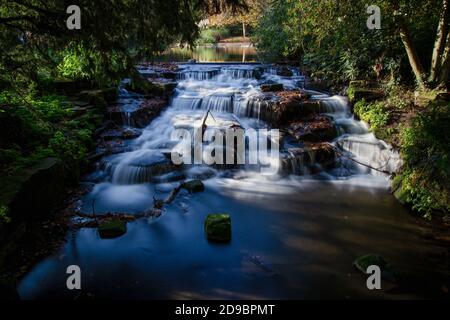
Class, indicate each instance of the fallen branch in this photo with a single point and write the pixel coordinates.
(156, 211)
(360, 163)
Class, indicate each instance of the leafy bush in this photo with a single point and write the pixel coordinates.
(375, 113)
(67, 148)
(79, 62)
(75, 63)
(426, 152)
(4, 217)
(212, 35)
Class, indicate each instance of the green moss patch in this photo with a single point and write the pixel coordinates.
(112, 229)
(218, 227)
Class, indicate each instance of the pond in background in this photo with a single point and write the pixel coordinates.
(233, 53)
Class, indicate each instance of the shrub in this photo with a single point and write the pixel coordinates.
(212, 35)
(426, 152)
(4, 214)
(375, 113)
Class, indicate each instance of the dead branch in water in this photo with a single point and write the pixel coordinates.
(340, 154)
(97, 219)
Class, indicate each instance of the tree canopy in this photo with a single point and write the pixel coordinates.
(332, 37)
(113, 34)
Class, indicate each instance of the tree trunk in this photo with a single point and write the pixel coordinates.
(411, 51)
(445, 66)
(439, 45)
(243, 29)
(413, 57)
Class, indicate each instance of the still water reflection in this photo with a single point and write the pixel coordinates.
(211, 54)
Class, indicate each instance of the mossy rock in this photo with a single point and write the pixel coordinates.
(363, 262)
(112, 229)
(218, 227)
(193, 186)
(398, 191)
(368, 94)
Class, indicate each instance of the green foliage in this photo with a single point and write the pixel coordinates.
(36, 127)
(75, 63)
(82, 62)
(375, 113)
(4, 217)
(426, 152)
(331, 37)
(67, 147)
(275, 36)
(212, 35)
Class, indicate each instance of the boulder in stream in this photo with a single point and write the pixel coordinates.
(193, 186)
(112, 229)
(218, 227)
(363, 262)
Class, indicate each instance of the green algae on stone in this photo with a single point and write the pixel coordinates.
(218, 227)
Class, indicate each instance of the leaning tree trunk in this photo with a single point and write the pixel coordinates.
(411, 51)
(243, 29)
(439, 45)
(413, 57)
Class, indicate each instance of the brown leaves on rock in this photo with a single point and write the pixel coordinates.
(314, 129)
(294, 97)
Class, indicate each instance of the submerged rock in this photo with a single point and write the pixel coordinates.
(363, 262)
(112, 229)
(193, 186)
(218, 227)
(389, 277)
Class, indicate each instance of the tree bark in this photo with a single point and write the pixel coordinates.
(243, 29)
(411, 51)
(445, 65)
(439, 45)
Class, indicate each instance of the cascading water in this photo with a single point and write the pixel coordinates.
(302, 225)
(232, 95)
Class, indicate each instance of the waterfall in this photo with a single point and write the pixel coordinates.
(232, 94)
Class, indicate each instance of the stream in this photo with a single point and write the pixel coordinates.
(294, 234)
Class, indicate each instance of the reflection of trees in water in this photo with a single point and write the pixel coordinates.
(212, 54)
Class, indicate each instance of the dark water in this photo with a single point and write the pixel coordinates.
(211, 54)
(292, 236)
(299, 245)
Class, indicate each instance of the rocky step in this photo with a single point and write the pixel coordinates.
(140, 117)
(317, 128)
(309, 159)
